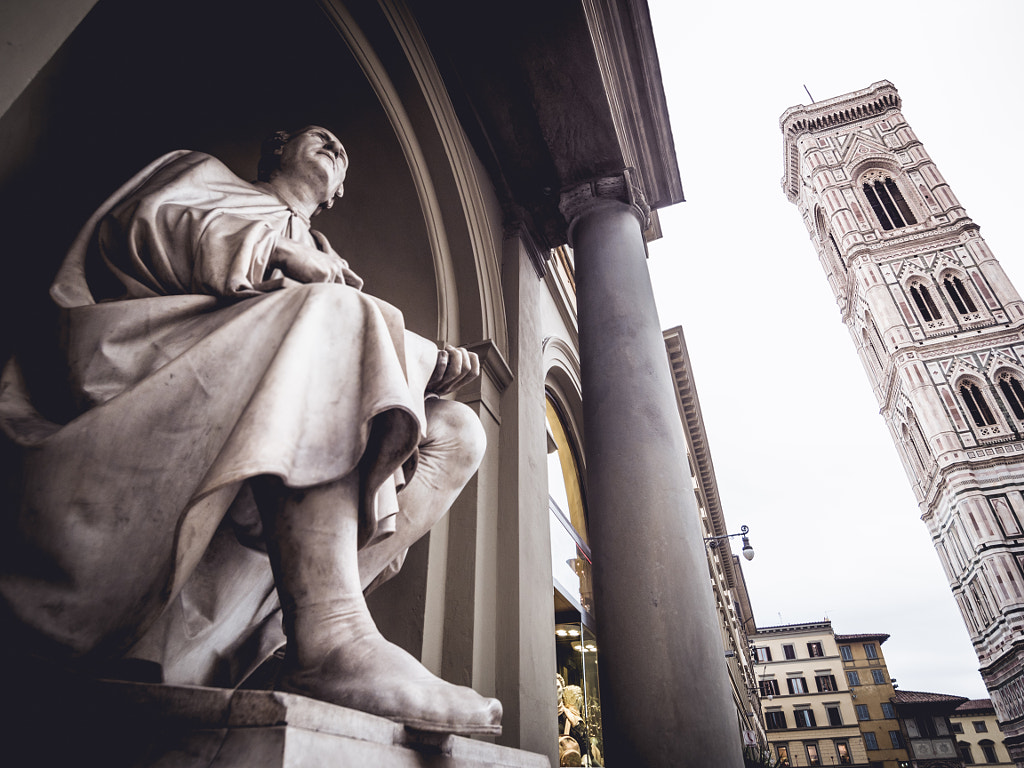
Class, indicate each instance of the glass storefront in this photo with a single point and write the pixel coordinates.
(579, 698)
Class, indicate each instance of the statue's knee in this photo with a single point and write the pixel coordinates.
(455, 429)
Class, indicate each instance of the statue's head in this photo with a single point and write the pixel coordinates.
(314, 153)
(573, 697)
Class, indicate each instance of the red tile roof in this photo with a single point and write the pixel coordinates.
(975, 705)
(920, 697)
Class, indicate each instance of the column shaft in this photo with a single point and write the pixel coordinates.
(665, 697)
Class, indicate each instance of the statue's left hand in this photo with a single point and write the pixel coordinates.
(455, 367)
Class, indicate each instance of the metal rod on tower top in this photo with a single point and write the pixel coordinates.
(809, 94)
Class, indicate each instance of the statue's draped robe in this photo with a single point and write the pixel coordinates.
(192, 369)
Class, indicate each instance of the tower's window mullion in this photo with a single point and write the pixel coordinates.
(890, 205)
(876, 206)
(901, 202)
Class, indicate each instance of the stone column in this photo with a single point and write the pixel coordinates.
(665, 698)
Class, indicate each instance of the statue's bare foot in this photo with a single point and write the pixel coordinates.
(366, 672)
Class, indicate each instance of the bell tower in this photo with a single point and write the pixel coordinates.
(940, 331)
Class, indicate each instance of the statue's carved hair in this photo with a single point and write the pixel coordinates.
(270, 154)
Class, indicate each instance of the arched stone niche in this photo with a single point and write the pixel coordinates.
(136, 80)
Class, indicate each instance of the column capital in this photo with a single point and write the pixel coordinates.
(618, 188)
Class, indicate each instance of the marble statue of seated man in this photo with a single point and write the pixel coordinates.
(256, 441)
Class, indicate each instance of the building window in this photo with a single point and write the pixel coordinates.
(869, 651)
(862, 712)
(926, 727)
(988, 748)
(897, 739)
(835, 717)
(1013, 392)
(825, 683)
(846, 653)
(797, 685)
(775, 720)
(965, 753)
(888, 712)
(853, 677)
(887, 202)
(769, 687)
(958, 295)
(762, 654)
(979, 726)
(870, 740)
(812, 754)
(814, 649)
(789, 651)
(783, 753)
(976, 404)
(925, 303)
(956, 727)
(804, 718)
(878, 676)
(843, 752)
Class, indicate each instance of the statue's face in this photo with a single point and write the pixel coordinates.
(316, 155)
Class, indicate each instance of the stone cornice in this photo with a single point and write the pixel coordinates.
(832, 113)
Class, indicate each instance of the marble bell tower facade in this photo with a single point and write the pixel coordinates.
(940, 331)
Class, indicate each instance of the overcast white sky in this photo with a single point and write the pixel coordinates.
(801, 453)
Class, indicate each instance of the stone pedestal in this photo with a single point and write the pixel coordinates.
(136, 725)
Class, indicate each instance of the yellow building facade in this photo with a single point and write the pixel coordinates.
(871, 689)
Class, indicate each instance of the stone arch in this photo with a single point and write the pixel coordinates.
(458, 215)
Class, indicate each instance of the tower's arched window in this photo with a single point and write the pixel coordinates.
(925, 303)
(887, 201)
(1013, 393)
(958, 295)
(976, 404)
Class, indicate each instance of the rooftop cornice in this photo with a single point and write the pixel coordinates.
(875, 100)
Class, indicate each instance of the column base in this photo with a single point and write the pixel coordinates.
(140, 725)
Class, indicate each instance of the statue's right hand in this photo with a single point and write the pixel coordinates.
(309, 265)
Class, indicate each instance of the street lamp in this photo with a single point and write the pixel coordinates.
(748, 551)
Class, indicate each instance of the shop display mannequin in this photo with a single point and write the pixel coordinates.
(241, 409)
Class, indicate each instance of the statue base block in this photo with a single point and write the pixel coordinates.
(138, 725)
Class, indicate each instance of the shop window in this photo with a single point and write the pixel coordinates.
(878, 676)
(846, 652)
(812, 754)
(775, 720)
(862, 712)
(958, 295)
(843, 752)
(814, 649)
(769, 688)
(826, 683)
(835, 716)
(579, 701)
(1013, 393)
(789, 651)
(804, 718)
(796, 685)
(976, 405)
(925, 303)
(887, 202)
